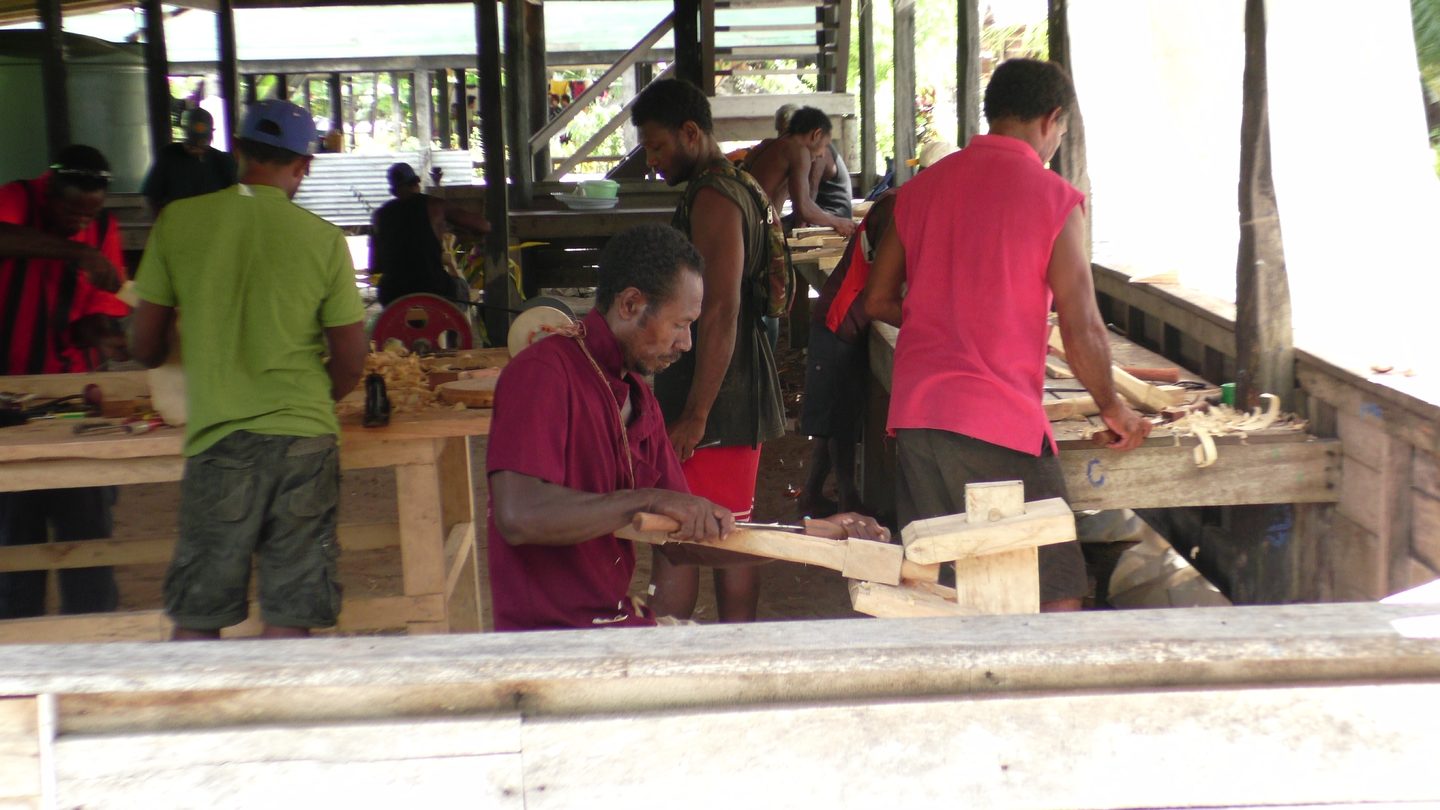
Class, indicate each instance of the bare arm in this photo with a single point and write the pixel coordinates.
(885, 289)
(346, 365)
(1087, 343)
(31, 243)
(471, 221)
(801, 197)
(150, 328)
(529, 511)
(717, 231)
(819, 169)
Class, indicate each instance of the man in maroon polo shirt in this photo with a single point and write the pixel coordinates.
(578, 445)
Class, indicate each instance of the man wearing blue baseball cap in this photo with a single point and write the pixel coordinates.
(267, 291)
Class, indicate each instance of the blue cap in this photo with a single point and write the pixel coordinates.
(279, 123)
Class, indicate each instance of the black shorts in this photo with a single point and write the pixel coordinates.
(271, 497)
(934, 467)
(835, 373)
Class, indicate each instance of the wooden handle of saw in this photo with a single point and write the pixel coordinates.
(1169, 375)
(650, 522)
(849, 555)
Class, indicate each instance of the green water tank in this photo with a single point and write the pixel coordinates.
(106, 83)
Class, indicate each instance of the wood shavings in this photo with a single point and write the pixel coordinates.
(407, 383)
(1223, 420)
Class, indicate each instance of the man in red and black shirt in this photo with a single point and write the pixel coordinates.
(60, 265)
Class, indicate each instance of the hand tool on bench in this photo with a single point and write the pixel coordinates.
(854, 558)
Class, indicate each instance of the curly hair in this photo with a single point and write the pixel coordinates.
(1026, 89)
(808, 119)
(648, 258)
(672, 102)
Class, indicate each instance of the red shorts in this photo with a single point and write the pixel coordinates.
(725, 475)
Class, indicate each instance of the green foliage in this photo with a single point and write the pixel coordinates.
(1425, 15)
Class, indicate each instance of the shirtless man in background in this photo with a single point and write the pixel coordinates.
(783, 168)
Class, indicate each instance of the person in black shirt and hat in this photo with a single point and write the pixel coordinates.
(405, 239)
(189, 168)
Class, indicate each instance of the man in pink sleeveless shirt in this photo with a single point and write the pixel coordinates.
(983, 242)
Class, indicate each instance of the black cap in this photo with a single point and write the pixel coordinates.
(401, 175)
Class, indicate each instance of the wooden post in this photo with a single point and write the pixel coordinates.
(228, 67)
(500, 294)
(841, 74)
(687, 45)
(350, 108)
(397, 111)
(539, 71)
(707, 46)
(442, 87)
(157, 79)
(423, 105)
(1264, 348)
(867, 97)
(904, 89)
(1070, 160)
(462, 99)
(53, 77)
(517, 102)
(967, 70)
(337, 106)
(282, 86)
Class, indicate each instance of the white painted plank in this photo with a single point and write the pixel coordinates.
(1256, 747)
(471, 781)
(119, 755)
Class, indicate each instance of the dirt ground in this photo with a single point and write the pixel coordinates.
(788, 591)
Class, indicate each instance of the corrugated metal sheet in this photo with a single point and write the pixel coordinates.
(347, 188)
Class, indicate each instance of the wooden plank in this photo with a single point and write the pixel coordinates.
(997, 584)
(62, 473)
(1365, 438)
(1426, 474)
(879, 565)
(1070, 408)
(356, 614)
(489, 781)
(1005, 582)
(1403, 416)
(722, 666)
(22, 743)
(87, 628)
(374, 764)
(991, 501)
(902, 602)
(953, 537)
(422, 534)
(1425, 528)
(87, 553)
(1157, 477)
(1278, 746)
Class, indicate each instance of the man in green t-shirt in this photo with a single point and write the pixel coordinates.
(267, 290)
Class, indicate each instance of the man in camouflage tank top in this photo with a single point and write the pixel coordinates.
(722, 400)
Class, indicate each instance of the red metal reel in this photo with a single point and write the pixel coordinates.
(424, 323)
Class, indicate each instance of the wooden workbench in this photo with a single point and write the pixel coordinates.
(435, 532)
(1270, 466)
